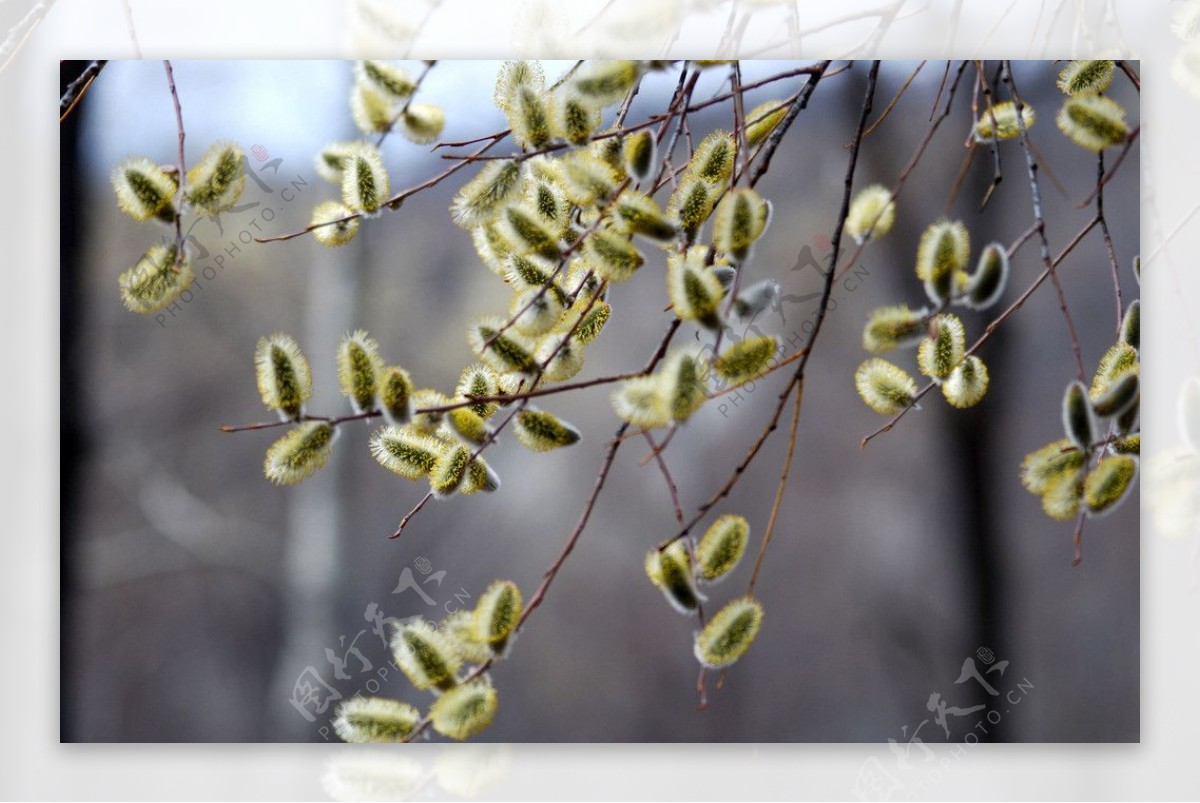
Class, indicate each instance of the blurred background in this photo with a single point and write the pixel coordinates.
(200, 603)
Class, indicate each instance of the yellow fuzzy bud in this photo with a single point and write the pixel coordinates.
(475, 381)
(497, 614)
(722, 547)
(1078, 420)
(372, 110)
(762, 120)
(890, 327)
(459, 628)
(690, 205)
(529, 117)
(639, 214)
(1120, 359)
(216, 182)
(540, 431)
(1108, 483)
(155, 281)
(480, 197)
(747, 359)
(1083, 77)
(693, 288)
(967, 384)
(670, 569)
(359, 367)
(884, 387)
(526, 229)
(425, 656)
(332, 228)
(942, 351)
(641, 402)
(388, 79)
(593, 321)
(713, 159)
(587, 178)
(985, 286)
(639, 153)
(504, 352)
(144, 190)
(1063, 494)
(741, 218)
(428, 423)
(331, 161)
(464, 424)
(1006, 125)
(1043, 466)
(364, 720)
(515, 76)
(300, 453)
(682, 381)
(365, 183)
(606, 82)
(422, 123)
(395, 394)
(562, 359)
(1093, 122)
(535, 312)
(572, 118)
(449, 471)
(464, 711)
(729, 634)
(283, 374)
(406, 453)
(480, 477)
(613, 256)
(945, 247)
(872, 213)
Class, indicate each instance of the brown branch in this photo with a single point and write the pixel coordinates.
(181, 166)
(77, 88)
(780, 489)
(407, 102)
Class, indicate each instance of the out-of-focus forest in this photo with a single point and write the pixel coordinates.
(201, 603)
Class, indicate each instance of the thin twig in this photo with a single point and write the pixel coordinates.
(76, 89)
(181, 166)
(780, 489)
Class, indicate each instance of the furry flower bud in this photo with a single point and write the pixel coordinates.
(572, 118)
(722, 547)
(504, 352)
(332, 224)
(1108, 484)
(1045, 465)
(299, 454)
(480, 477)
(449, 471)
(1000, 121)
(713, 159)
(945, 247)
(373, 111)
(497, 614)
(642, 402)
(967, 384)
(891, 327)
(690, 205)
(1078, 421)
(422, 123)
(639, 153)
(639, 214)
(884, 387)
(942, 351)
(395, 394)
(155, 282)
(464, 424)
(464, 711)
(985, 286)
(562, 358)
(729, 634)
(746, 359)
(365, 182)
(477, 381)
(331, 161)
(425, 656)
(670, 569)
(406, 453)
(1084, 77)
(359, 367)
(741, 218)
(1131, 325)
(283, 374)
(144, 190)
(540, 431)
(529, 117)
(872, 213)
(606, 82)
(762, 120)
(216, 182)
(363, 720)
(1093, 122)
(480, 197)
(613, 256)
(694, 290)
(756, 298)
(391, 80)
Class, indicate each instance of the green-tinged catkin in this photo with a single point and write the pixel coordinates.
(593, 321)
(1000, 121)
(1108, 484)
(967, 384)
(529, 117)
(642, 402)
(1085, 77)
(428, 423)
(872, 213)
(884, 387)
(459, 628)
(515, 76)
(422, 123)
(365, 183)
(359, 367)
(740, 219)
(613, 256)
(746, 359)
(449, 471)
(372, 110)
(1120, 359)
(639, 154)
(331, 161)
(480, 198)
(562, 357)
(722, 547)
(985, 286)
(714, 156)
(691, 204)
(535, 311)
(366, 720)
(144, 190)
(762, 120)
(1045, 465)
(156, 281)
(425, 656)
(1063, 495)
(1079, 423)
(503, 352)
(395, 394)
(497, 614)
(670, 569)
(683, 384)
(606, 82)
(1120, 395)
(729, 634)
(638, 213)
(890, 327)
(1131, 325)
(332, 223)
(406, 453)
(693, 288)
(571, 117)
(540, 431)
(528, 232)
(283, 375)
(477, 381)
(1093, 122)
(480, 477)
(941, 352)
(945, 247)
(388, 79)
(215, 183)
(464, 711)
(300, 453)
